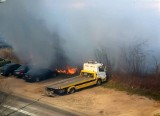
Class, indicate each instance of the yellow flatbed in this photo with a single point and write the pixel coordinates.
(70, 85)
(73, 81)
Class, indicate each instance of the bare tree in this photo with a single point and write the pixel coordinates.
(156, 66)
(101, 55)
(134, 59)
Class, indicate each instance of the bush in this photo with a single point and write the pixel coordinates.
(147, 85)
(9, 54)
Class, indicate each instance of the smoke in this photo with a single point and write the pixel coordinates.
(57, 32)
(29, 36)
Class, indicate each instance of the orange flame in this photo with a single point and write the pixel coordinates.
(68, 70)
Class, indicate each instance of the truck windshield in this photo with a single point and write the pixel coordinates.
(85, 74)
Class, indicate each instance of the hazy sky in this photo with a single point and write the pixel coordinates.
(82, 25)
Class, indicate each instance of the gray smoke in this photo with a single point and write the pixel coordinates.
(30, 37)
(57, 32)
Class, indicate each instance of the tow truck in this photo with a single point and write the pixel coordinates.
(93, 73)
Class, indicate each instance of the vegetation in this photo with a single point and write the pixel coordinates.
(9, 54)
(101, 55)
(146, 86)
(134, 72)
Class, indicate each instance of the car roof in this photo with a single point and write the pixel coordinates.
(37, 70)
(11, 64)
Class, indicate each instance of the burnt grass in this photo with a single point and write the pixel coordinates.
(148, 86)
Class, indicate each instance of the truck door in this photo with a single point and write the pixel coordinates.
(101, 72)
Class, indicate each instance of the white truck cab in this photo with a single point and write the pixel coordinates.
(94, 66)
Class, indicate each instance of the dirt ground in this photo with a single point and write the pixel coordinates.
(94, 101)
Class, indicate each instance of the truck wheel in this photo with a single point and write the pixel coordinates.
(72, 90)
(99, 82)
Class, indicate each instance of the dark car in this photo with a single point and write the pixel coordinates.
(36, 75)
(9, 69)
(22, 70)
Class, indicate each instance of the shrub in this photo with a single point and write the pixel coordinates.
(8, 53)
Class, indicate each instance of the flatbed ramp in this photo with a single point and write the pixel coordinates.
(72, 80)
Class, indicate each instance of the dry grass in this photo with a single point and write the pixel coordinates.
(147, 85)
(8, 53)
(150, 82)
(5, 96)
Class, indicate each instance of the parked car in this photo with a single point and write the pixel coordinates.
(9, 69)
(22, 70)
(4, 61)
(36, 75)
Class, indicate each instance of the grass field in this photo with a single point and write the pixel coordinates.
(148, 86)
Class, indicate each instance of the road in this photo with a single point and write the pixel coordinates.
(18, 106)
(94, 101)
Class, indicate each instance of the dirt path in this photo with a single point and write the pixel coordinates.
(96, 101)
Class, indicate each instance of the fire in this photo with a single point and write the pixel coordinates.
(68, 70)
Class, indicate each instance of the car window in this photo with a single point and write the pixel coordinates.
(22, 67)
(101, 69)
(5, 67)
